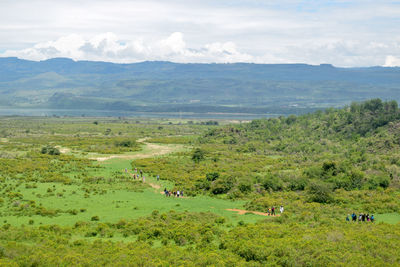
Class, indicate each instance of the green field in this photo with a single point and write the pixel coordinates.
(120, 202)
(65, 198)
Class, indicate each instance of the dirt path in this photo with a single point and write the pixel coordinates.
(150, 150)
(155, 186)
(241, 212)
(63, 150)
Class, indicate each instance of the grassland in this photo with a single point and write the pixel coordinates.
(110, 201)
(73, 203)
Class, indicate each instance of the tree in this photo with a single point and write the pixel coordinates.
(212, 176)
(198, 155)
(320, 192)
(50, 150)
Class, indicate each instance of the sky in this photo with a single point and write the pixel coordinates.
(345, 33)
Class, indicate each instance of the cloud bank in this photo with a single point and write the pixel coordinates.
(112, 48)
(109, 47)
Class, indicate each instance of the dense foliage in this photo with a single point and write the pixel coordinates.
(351, 148)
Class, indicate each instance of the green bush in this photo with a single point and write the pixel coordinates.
(95, 218)
(319, 192)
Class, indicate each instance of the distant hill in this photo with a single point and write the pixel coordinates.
(173, 87)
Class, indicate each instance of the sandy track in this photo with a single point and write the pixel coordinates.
(155, 186)
(63, 150)
(241, 212)
(151, 150)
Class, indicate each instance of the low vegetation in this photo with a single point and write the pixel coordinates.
(60, 207)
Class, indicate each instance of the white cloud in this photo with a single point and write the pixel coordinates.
(173, 44)
(392, 61)
(109, 47)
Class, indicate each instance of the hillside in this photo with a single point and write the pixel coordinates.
(62, 83)
(352, 148)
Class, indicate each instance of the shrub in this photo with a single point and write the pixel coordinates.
(272, 182)
(212, 176)
(198, 155)
(50, 150)
(320, 192)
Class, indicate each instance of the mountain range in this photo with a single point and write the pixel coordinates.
(155, 86)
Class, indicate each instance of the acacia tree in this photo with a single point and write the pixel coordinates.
(198, 155)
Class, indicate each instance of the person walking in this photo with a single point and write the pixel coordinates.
(158, 178)
(347, 218)
(273, 211)
(281, 209)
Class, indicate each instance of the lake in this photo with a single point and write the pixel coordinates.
(118, 113)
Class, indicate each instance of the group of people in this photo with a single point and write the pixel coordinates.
(271, 211)
(137, 175)
(362, 217)
(174, 193)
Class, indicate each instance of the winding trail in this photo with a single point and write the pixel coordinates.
(241, 212)
(150, 150)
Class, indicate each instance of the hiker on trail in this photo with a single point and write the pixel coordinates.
(367, 217)
(273, 211)
(281, 209)
(126, 170)
(354, 217)
(363, 217)
(141, 173)
(372, 218)
(347, 218)
(177, 193)
(360, 217)
(269, 212)
(135, 169)
(181, 193)
(158, 178)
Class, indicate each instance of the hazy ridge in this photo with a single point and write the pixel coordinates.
(62, 83)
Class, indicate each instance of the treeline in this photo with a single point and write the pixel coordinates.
(358, 119)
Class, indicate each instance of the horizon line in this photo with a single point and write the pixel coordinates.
(201, 63)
